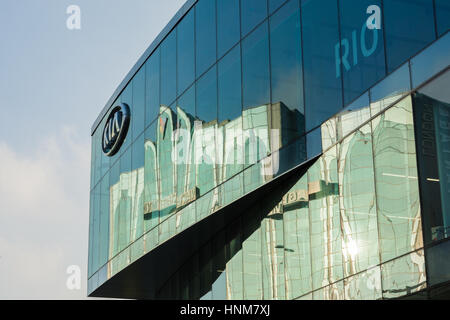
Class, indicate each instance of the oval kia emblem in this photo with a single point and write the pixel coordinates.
(116, 129)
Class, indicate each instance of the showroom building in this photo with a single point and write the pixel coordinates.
(273, 149)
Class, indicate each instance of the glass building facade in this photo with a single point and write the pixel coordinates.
(280, 150)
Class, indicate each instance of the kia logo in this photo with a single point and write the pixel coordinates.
(116, 129)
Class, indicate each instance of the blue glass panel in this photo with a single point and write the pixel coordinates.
(362, 61)
(187, 101)
(168, 69)
(255, 68)
(96, 228)
(286, 63)
(409, 26)
(207, 96)
(205, 32)
(228, 25)
(438, 263)
(432, 126)
(114, 187)
(313, 143)
(442, 16)
(114, 174)
(152, 87)
(390, 89)
(323, 95)
(138, 106)
(127, 97)
(124, 200)
(285, 46)
(353, 116)
(104, 220)
(229, 70)
(275, 4)
(252, 13)
(185, 52)
(138, 153)
(432, 60)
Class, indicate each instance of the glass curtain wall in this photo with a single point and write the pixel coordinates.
(261, 77)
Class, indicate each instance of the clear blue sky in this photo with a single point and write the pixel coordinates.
(53, 84)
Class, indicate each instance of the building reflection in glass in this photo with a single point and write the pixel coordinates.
(329, 237)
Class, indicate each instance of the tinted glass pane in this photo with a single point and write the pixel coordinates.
(329, 133)
(438, 263)
(396, 183)
(409, 26)
(404, 275)
(185, 123)
(432, 120)
(255, 68)
(390, 89)
(168, 69)
(96, 228)
(326, 241)
(286, 63)
(357, 202)
(165, 127)
(364, 286)
(332, 292)
(229, 70)
(125, 192)
(187, 101)
(442, 16)
(251, 253)
(352, 116)
(252, 13)
(152, 88)
(235, 260)
(285, 53)
(430, 61)
(151, 196)
(207, 96)
(114, 187)
(273, 257)
(228, 25)
(275, 4)
(297, 242)
(138, 107)
(232, 155)
(362, 50)
(314, 143)
(137, 185)
(205, 32)
(323, 96)
(127, 97)
(138, 153)
(185, 155)
(185, 52)
(256, 135)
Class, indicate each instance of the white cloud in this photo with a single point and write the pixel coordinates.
(44, 216)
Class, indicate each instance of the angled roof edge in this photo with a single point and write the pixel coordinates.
(148, 52)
